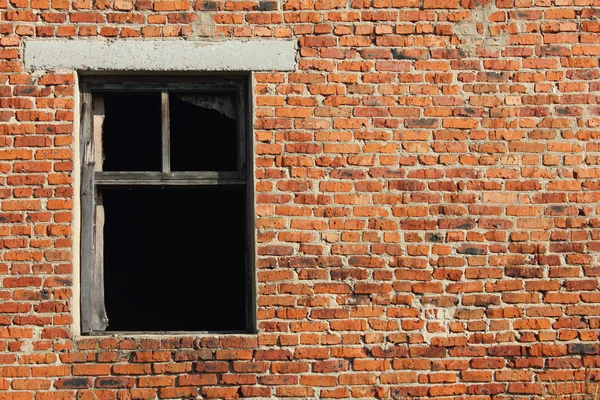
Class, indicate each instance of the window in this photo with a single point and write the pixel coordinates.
(166, 206)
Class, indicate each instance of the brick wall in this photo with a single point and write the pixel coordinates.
(427, 202)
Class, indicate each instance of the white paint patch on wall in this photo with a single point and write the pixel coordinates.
(166, 55)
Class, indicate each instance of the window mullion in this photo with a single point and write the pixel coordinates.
(100, 320)
(166, 134)
(87, 206)
(92, 289)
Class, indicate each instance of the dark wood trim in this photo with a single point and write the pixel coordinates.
(225, 84)
(241, 130)
(247, 119)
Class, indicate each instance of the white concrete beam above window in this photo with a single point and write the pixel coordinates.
(144, 55)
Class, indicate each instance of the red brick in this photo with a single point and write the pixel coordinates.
(426, 186)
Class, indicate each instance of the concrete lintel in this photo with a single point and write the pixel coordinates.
(165, 55)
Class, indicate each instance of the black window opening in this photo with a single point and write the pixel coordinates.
(167, 216)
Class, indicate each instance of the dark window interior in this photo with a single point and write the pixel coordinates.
(174, 258)
(131, 137)
(203, 131)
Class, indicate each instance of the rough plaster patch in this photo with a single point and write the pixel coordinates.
(443, 316)
(475, 32)
(204, 27)
(138, 55)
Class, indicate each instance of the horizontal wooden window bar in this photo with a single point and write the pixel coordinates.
(169, 178)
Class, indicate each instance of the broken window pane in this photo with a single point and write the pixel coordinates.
(203, 131)
(131, 135)
(174, 258)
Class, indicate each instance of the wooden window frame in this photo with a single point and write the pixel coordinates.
(93, 313)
